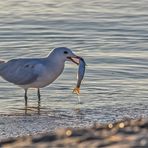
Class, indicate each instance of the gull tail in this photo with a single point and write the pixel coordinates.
(1, 62)
(1, 65)
(76, 90)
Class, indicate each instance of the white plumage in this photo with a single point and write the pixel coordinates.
(36, 73)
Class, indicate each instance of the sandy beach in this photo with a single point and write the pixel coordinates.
(16, 125)
(128, 133)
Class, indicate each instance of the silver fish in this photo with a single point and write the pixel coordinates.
(80, 75)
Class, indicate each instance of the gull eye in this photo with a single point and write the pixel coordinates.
(65, 52)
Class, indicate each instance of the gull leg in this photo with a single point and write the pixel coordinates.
(39, 100)
(26, 98)
(39, 96)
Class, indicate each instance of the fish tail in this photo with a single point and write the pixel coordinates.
(76, 90)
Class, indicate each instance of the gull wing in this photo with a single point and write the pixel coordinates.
(21, 71)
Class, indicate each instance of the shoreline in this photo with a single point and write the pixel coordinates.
(18, 125)
(127, 133)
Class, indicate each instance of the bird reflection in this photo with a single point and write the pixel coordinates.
(27, 108)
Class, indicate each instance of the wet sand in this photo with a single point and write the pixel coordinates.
(128, 133)
(16, 125)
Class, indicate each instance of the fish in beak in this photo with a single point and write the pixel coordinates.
(80, 75)
(74, 59)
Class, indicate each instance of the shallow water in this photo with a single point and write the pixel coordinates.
(111, 35)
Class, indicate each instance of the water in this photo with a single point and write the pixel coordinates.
(111, 35)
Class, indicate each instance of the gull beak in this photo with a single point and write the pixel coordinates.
(74, 59)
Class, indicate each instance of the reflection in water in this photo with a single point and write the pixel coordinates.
(38, 108)
(75, 114)
(79, 100)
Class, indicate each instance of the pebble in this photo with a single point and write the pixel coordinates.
(128, 133)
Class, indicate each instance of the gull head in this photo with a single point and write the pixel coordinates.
(64, 54)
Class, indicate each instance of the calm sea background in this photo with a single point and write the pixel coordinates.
(111, 35)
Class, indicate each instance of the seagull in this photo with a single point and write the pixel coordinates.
(36, 72)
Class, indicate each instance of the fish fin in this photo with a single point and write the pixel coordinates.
(76, 90)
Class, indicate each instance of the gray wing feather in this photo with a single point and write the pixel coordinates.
(19, 71)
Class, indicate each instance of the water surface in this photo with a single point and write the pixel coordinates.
(111, 35)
